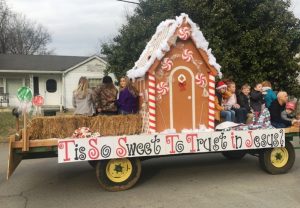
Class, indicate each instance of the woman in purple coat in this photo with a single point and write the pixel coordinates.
(128, 97)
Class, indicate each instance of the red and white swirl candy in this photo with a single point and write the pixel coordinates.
(162, 88)
(167, 64)
(184, 33)
(187, 55)
(201, 80)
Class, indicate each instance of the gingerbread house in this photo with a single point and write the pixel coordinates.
(175, 76)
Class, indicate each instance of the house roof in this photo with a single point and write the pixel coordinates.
(45, 63)
(161, 41)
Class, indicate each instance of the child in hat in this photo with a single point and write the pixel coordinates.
(220, 109)
(288, 114)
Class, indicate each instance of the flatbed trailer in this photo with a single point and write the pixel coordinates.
(117, 159)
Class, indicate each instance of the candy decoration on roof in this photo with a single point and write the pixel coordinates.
(152, 104)
(201, 80)
(184, 33)
(162, 88)
(167, 64)
(187, 55)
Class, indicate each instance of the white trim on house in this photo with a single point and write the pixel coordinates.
(85, 61)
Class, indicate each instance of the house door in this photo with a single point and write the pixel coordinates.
(182, 98)
(50, 89)
(12, 86)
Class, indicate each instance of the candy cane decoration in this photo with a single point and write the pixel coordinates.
(201, 80)
(184, 33)
(152, 104)
(187, 55)
(167, 64)
(162, 88)
(211, 101)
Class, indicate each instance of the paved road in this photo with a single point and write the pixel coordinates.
(186, 181)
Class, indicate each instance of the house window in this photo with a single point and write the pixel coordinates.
(94, 82)
(51, 85)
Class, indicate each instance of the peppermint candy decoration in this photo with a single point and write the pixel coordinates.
(167, 64)
(84, 132)
(162, 88)
(201, 80)
(187, 55)
(184, 33)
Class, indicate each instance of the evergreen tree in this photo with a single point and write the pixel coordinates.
(253, 40)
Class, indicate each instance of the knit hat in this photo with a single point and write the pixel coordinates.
(290, 105)
(221, 85)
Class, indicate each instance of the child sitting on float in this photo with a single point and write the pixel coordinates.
(243, 100)
(220, 110)
(289, 113)
(269, 94)
(231, 103)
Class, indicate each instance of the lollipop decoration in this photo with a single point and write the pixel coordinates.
(184, 33)
(167, 64)
(162, 88)
(25, 96)
(187, 55)
(38, 101)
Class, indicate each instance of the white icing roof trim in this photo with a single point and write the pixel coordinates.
(158, 46)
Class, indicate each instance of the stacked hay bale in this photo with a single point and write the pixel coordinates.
(64, 126)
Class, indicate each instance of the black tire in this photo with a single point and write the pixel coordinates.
(93, 163)
(234, 155)
(108, 184)
(277, 160)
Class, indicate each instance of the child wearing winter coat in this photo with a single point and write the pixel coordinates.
(220, 109)
(240, 112)
(269, 94)
(256, 99)
(243, 100)
(288, 114)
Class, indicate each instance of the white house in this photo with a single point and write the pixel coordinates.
(53, 77)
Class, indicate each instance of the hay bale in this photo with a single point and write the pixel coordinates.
(64, 126)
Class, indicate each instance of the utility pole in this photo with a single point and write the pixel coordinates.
(131, 2)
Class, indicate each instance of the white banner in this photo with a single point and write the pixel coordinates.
(98, 148)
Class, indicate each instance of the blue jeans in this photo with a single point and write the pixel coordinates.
(228, 115)
(278, 125)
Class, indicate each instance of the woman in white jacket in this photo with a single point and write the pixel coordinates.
(83, 98)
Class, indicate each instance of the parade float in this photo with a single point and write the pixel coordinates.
(175, 76)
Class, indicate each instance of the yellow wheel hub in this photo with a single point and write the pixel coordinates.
(279, 157)
(118, 170)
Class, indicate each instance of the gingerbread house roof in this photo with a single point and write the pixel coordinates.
(162, 40)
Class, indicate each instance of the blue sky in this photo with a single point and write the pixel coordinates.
(78, 26)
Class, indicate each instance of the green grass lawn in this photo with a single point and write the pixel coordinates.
(7, 125)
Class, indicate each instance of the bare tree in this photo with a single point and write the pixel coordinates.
(19, 35)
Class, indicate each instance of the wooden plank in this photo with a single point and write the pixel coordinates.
(25, 137)
(293, 129)
(36, 143)
(14, 159)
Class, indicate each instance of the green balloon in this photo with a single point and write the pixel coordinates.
(24, 94)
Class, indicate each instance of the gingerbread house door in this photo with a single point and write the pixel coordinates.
(182, 98)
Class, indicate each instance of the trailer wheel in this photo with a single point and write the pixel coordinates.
(278, 160)
(93, 163)
(234, 155)
(118, 174)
